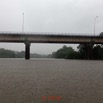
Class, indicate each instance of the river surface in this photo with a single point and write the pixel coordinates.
(51, 81)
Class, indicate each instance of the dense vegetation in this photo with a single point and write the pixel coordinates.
(69, 53)
(64, 52)
(4, 53)
(7, 53)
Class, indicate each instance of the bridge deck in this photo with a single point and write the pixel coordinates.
(49, 38)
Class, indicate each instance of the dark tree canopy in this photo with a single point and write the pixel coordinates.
(96, 52)
(101, 34)
(66, 52)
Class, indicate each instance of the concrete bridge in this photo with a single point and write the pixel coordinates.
(28, 38)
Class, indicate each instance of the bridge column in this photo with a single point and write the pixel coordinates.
(27, 50)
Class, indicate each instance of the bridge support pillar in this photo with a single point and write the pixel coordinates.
(27, 50)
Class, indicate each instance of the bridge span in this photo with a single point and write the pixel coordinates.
(28, 38)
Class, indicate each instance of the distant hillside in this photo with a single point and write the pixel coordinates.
(5, 53)
(34, 55)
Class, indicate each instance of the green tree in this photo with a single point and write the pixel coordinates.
(101, 34)
(98, 52)
(66, 52)
(6, 53)
(82, 51)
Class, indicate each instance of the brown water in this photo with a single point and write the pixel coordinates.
(28, 81)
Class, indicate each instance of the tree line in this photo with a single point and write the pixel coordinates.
(69, 53)
(63, 53)
(5, 53)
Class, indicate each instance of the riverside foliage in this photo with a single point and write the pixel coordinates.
(5, 53)
(69, 53)
(63, 53)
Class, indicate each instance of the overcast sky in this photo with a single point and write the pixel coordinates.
(67, 16)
